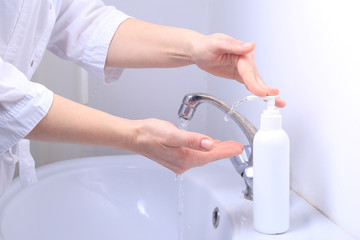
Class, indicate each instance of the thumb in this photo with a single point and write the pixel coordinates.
(244, 47)
(238, 47)
(206, 144)
(195, 141)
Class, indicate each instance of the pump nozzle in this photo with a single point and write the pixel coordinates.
(269, 99)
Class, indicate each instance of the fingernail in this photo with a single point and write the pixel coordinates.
(206, 144)
(248, 45)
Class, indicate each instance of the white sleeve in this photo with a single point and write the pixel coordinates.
(22, 105)
(83, 32)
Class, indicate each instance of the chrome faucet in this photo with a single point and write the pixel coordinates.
(243, 163)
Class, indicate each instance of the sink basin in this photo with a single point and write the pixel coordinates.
(130, 197)
(115, 197)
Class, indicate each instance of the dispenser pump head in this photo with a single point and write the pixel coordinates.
(271, 118)
(270, 102)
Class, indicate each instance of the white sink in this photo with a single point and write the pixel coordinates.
(132, 198)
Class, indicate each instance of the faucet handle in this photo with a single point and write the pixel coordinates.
(243, 164)
(242, 160)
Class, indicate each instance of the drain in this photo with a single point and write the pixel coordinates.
(216, 217)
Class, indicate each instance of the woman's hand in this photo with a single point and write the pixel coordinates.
(227, 57)
(179, 150)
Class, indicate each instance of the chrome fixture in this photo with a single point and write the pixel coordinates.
(243, 163)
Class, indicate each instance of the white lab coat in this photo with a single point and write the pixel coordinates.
(77, 30)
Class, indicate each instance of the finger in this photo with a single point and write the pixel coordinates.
(247, 72)
(279, 102)
(269, 91)
(226, 149)
(251, 78)
(220, 150)
(195, 141)
(216, 141)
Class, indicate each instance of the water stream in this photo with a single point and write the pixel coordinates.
(182, 124)
(180, 179)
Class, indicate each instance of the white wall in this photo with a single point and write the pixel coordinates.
(310, 50)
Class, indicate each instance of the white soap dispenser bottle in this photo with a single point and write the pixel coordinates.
(271, 156)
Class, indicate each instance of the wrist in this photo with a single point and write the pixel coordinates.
(195, 41)
(125, 134)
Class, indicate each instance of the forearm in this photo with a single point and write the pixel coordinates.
(71, 122)
(158, 140)
(139, 44)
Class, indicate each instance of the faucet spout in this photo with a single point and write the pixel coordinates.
(242, 163)
(193, 100)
